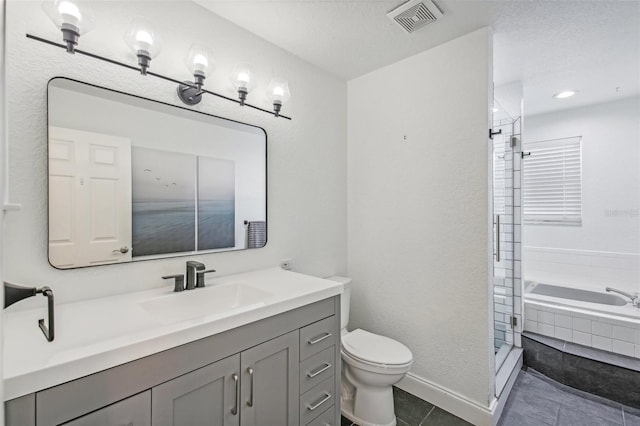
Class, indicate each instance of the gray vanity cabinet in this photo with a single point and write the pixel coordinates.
(286, 367)
(270, 383)
(257, 387)
(204, 397)
(133, 411)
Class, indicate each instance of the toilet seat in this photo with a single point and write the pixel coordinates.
(373, 352)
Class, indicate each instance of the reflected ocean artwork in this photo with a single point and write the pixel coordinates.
(178, 197)
(216, 224)
(163, 227)
(169, 226)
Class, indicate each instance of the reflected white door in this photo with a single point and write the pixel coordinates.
(89, 198)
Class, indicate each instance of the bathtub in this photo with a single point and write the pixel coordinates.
(596, 319)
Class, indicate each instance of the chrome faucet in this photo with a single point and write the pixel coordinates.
(195, 274)
(192, 268)
(635, 298)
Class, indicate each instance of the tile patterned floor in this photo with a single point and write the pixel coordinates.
(535, 400)
(412, 411)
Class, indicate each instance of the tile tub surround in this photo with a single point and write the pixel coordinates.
(612, 376)
(538, 401)
(604, 332)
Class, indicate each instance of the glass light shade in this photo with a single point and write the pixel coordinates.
(199, 60)
(68, 13)
(243, 76)
(141, 36)
(278, 91)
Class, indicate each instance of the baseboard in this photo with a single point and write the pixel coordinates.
(459, 405)
(447, 399)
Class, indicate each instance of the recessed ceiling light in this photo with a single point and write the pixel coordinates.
(565, 94)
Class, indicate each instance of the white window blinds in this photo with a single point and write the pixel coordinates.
(552, 182)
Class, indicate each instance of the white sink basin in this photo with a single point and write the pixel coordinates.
(203, 302)
(98, 334)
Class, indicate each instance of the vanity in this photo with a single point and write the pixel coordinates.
(259, 348)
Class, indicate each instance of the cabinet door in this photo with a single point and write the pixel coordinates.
(204, 397)
(133, 411)
(270, 383)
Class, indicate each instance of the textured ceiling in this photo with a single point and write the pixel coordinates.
(547, 46)
(349, 38)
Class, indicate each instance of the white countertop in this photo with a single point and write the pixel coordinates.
(94, 335)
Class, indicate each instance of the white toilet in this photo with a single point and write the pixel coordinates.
(371, 364)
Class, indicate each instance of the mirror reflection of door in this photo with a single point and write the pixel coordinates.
(90, 198)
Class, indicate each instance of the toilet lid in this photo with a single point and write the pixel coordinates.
(376, 349)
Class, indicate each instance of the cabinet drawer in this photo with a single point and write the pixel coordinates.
(317, 337)
(328, 418)
(133, 411)
(317, 368)
(316, 400)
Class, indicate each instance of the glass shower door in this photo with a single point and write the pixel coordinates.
(503, 232)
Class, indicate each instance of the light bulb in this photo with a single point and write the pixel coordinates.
(243, 79)
(71, 19)
(278, 93)
(69, 12)
(143, 41)
(199, 60)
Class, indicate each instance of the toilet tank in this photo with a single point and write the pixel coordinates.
(345, 299)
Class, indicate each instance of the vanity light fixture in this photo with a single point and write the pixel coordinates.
(565, 94)
(278, 93)
(71, 19)
(243, 79)
(146, 44)
(199, 62)
(143, 41)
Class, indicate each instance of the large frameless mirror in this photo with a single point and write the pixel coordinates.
(133, 179)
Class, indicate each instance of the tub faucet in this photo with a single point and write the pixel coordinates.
(635, 298)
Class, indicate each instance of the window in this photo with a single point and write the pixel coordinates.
(552, 182)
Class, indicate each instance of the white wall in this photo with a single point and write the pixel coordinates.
(418, 211)
(306, 156)
(605, 249)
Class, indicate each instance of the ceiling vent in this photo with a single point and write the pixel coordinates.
(415, 14)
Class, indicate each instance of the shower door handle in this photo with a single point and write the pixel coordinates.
(497, 238)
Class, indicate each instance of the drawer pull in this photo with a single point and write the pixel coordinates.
(234, 410)
(325, 367)
(318, 339)
(327, 396)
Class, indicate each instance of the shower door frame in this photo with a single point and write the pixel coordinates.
(506, 284)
